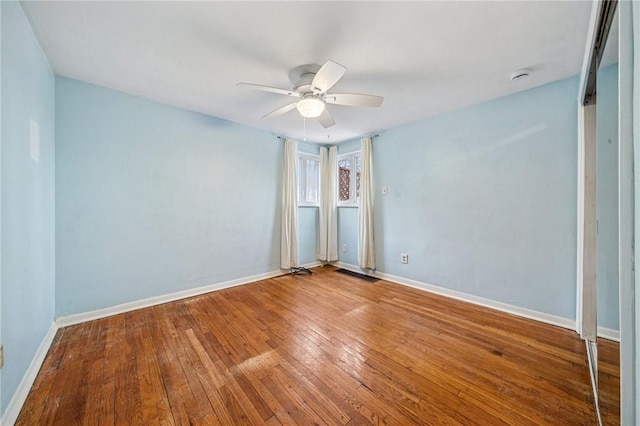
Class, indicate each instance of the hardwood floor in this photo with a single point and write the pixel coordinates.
(323, 349)
(609, 381)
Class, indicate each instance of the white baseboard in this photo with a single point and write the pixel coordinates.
(20, 396)
(476, 300)
(73, 319)
(605, 333)
(67, 320)
(609, 334)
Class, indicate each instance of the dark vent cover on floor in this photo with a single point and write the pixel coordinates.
(358, 275)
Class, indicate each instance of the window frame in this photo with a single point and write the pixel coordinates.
(355, 157)
(302, 179)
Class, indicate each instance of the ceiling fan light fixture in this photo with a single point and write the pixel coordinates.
(310, 107)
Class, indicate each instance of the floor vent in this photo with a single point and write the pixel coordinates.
(358, 275)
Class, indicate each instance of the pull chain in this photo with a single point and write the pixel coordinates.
(304, 126)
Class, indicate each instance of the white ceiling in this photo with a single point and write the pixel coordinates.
(425, 58)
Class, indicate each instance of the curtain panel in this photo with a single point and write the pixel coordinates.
(366, 244)
(289, 223)
(327, 248)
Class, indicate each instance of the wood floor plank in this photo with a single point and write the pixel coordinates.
(609, 381)
(220, 379)
(38, 407)
(174, 383)
(156, 408)
(127, 399)
(321, 349)
(296, 407)
(323, 407)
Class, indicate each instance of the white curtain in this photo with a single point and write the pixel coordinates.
(327, 249)
(366, 246)
(289, 225)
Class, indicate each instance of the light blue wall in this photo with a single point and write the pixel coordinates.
(28, 257)
(307, 234)
(309, 148)
(348, 234)
(152, 199)
(483, 200)
(607, 196)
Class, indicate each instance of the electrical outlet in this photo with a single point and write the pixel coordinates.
(404, 258)
(344, 248)
(1, 355)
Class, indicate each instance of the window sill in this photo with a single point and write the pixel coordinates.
(348, 206)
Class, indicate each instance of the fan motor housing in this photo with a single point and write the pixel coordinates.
(302, 76)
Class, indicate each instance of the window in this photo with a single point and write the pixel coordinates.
(349, 166)
(308, 180)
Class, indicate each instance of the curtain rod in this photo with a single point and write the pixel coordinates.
(371, 136)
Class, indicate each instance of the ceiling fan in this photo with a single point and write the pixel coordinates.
(310, 85)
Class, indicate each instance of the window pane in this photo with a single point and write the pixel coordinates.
(301, 183)
(344, 180)
(312, 175)
(308, 180)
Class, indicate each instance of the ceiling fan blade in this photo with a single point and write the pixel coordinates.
(270, 89)
(326, 119)
(281, 110)
(354, 99)
(327, 76)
